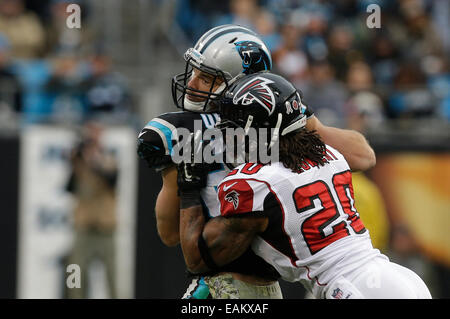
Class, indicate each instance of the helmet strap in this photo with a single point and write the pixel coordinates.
(248, 124)
(276, 130)
(193, 106)
(294, 126)
(202, 105)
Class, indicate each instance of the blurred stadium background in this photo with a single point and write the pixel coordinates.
(392, 83)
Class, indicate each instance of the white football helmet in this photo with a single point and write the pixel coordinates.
(225, 52)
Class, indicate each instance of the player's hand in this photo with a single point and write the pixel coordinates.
(154, 157)
(192, 176)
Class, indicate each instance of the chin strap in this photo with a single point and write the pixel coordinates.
(192, 106)
(276, 131)
(200, 106)
(295, 126)
(248, 124)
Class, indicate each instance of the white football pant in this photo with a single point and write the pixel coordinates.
(378, 279)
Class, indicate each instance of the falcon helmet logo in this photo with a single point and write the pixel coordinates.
(256, 90)
(233, 197)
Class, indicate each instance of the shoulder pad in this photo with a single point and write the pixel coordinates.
(155, 141)
(241, 196)
(157, 135)
(157, 138)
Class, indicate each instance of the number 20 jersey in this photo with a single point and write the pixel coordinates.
(315, 233)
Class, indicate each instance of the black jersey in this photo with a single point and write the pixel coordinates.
(157, 139)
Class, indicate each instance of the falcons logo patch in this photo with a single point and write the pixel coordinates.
(233, 197)
(256, 90)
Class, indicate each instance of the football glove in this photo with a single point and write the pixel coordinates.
(192, 176)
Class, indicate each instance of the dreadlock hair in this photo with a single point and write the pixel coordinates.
(299, 146)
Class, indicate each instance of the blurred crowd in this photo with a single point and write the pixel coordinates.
(354, 76)
(52, 73)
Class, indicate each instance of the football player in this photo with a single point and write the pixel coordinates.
(220, 56)
(298, 213)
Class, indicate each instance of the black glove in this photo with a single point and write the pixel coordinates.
(191, 179)
(154, 157)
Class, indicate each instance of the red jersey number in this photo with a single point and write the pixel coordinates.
(324, 226)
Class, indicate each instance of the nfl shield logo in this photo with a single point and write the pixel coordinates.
(337, 293)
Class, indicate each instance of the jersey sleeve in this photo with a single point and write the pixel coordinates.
(241, 196)
(155, 142)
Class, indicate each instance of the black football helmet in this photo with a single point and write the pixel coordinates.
(263, 100)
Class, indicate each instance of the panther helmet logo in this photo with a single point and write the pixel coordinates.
(256, 90)
(233, 197)
(254, 58)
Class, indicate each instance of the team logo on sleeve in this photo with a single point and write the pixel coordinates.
(232, 197)
(257, 90)
(236, 197)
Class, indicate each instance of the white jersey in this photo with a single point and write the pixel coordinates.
(314, 233)
(208, 194)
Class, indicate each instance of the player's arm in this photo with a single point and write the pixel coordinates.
(218, 242)
(153, 147)
(167, 208)
(352, 144)
(208, 246)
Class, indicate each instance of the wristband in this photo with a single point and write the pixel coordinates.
(204, 252)
(189, 198)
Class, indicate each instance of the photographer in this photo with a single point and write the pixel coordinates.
(92, 182)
